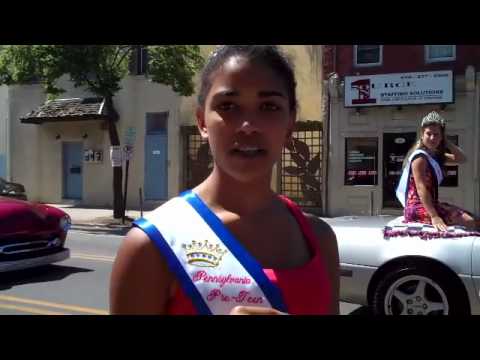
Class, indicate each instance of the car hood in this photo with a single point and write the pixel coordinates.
(17, 216)
(354, 222)
(361, 242)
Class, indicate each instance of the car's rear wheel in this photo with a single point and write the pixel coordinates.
(419, 290)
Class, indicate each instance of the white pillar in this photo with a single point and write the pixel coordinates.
(476, 147)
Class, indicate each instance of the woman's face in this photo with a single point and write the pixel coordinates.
(246, 119)
(432, 137)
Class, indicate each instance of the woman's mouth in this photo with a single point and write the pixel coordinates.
(248, 151)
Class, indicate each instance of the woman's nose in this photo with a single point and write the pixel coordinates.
(249, 125)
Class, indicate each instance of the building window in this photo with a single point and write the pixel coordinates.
(139, 61)
(395, 148)
(156, 123)
(368, 55)
(451, 171)
(438, 53)
(361, 165)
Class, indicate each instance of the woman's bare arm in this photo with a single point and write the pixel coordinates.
(457, 156)
(140, 282)
(327, 242)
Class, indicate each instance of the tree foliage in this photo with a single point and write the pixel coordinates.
(99, 68)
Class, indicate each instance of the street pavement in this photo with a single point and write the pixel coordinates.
(78, 285)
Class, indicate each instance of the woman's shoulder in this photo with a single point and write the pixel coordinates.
(420, 161)
(324, 234)
(139, 268)
(327, 245)
(140, 251)
(322, 231)
(419, 154)
(137, 239)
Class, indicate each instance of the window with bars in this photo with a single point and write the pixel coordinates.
(301, 166)
(437, 53)
(198, 162)
(299, 172)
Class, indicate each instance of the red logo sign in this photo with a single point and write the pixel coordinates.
(363, 87)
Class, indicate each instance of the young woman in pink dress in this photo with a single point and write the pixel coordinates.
(247, 108)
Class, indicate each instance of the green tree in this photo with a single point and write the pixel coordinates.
(100, 69)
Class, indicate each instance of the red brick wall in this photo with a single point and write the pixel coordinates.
(398, 58)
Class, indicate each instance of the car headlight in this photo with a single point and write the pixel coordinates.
(65, 223)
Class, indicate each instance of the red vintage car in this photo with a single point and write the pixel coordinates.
(31, 234)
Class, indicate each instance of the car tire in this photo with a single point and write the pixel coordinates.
(419, 290)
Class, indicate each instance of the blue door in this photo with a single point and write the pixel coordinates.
(156, 177)
(72, 170)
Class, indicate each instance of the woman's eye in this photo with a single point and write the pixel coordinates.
(226, 106)
(270, 107)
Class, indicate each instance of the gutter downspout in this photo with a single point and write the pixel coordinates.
(326, 153)
(476, 188)
(8, 136)
(326, 132)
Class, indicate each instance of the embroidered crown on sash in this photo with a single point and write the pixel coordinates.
(203, 254)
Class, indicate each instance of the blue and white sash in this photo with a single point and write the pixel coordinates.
(402, 187)
(213, 268)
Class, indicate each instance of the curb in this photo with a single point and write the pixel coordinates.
(107, 226)
(101, 228)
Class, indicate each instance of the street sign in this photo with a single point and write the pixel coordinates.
(128, 152)
(129, 142)
(116, 155)
(130, 134)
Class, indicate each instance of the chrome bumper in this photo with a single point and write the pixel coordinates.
(33, 262)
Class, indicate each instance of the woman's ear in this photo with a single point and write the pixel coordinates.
(288, 138)
(202, 128)
(291, 127)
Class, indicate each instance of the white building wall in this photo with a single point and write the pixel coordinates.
(26, 159)
(37, 154)
(137, 98)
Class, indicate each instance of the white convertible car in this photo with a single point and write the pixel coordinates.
(407, 271)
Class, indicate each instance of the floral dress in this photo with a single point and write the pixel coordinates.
(416, 212)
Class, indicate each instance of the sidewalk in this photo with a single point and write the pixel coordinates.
(98, 219)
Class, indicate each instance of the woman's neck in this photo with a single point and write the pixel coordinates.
(222, 192)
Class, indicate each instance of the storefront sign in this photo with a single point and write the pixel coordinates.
(431, 87)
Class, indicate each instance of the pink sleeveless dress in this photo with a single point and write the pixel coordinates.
(306, 290)
(415, 211)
